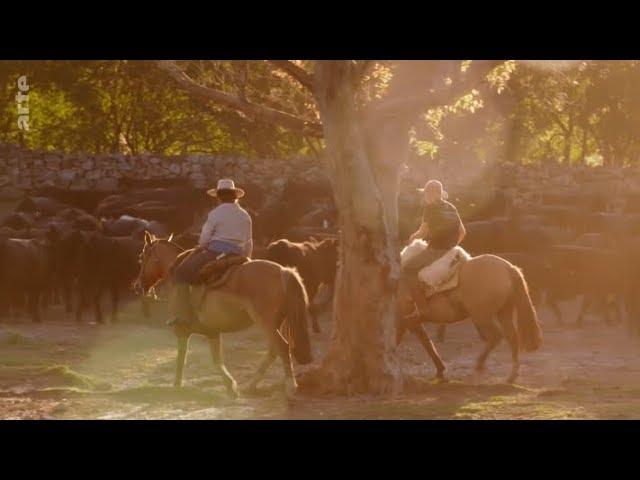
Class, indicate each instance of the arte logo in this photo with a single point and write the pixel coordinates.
(22, 100)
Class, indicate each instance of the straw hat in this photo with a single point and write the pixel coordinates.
(226, 184)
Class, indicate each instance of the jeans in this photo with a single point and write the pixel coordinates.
(187, 271)
(221, 246)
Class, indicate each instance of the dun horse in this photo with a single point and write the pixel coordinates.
(488, 286)
(257, 292)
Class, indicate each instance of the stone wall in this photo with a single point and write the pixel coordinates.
(26, 169)
(22, 170)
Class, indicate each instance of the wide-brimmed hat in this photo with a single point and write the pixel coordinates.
(435, 185)
(226, 184)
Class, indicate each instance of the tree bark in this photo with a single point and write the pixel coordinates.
(363, 158)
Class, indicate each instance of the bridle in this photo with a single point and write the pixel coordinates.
(153, 255)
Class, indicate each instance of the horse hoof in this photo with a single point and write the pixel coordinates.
(440, 378)
(232, 389)
(291, 388)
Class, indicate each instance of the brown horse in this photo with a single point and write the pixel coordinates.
(259, 291)
(488, 286)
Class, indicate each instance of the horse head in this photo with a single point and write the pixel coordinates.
(156, 258)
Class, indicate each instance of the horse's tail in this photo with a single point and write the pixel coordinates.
(529, 331)
(297, 315)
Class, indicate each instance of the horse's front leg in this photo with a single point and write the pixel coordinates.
(183, 345)
(218, 362)
(420, 332)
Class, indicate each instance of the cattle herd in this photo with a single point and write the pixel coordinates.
(72, 248)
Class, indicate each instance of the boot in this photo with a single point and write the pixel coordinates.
(419, 298)
(184, 310)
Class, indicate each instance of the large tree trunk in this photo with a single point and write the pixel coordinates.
(363, 158)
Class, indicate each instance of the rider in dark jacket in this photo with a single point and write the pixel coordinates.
(442, 228)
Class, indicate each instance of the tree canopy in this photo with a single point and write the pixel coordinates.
(585, 114)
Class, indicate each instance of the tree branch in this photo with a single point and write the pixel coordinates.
(361, 68)
(235, 102)
(462, 82)
(299, 74)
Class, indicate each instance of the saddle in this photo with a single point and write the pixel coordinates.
(216, 273)
(443, 274)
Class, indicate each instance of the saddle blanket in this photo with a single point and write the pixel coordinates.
(441, 275)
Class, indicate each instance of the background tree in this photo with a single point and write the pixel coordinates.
(369, 118)
(364, 112)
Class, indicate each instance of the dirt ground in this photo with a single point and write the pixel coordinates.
(62, 370)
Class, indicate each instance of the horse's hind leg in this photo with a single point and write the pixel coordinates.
(282, 348)
(492, 338)
(183, 345)
(262, 368)
(506, 319)
(218, 363)
(420, 332)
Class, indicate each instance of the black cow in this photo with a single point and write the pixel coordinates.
(25, 272)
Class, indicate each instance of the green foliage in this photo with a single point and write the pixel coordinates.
(131, 107)
(581, 112)
(584, 112)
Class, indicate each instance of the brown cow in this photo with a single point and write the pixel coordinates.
(315, 261)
